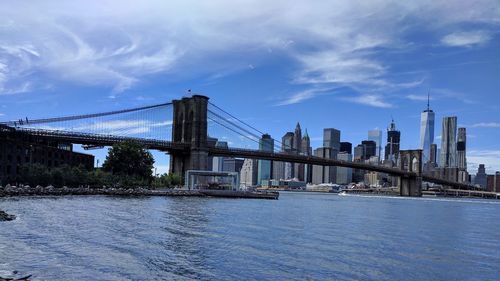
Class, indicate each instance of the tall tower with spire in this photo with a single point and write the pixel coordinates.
(427, 131)
(297, 139)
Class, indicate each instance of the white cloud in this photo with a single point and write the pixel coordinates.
(370, 100)
(491, 159)
(418, 97)
(117, 45)
(461, 39)
(485, 125)
(303, 96)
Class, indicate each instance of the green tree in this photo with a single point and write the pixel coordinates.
(129, 158)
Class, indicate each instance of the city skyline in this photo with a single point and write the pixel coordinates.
(271, 72)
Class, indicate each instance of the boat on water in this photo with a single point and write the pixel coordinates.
(343, 193)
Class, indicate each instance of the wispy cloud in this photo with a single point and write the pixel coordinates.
(485, 125)
(491, 158)
(464, 39)
(370, 100)
(117, 46)
(303, 96)
(418, 97)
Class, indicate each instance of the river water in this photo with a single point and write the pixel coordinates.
(302, 236)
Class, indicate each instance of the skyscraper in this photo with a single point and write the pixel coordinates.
(461, 149)
(297, 139)
(427, 132)
(376, 136)
(393, 139)
(306, 150)
(346, 147)
(248, 174)
(449, 143)
(331, 138)
(481, 177)
(298, 168)
(287, 142)
(266, 143)
(434, 153)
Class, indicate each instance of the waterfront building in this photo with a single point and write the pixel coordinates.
(493, 182)
(331, 138)
(449, 142)
(481, 177)
(427, 132)
(324, 174)
(376, 136)
(461, 149)
(18, 150)
(248, 174)
(346, 147)
(266, 143)
(393, 139)
(232, 165)
(344, 175)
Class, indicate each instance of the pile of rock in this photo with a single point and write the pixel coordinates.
(26, 190)
(6, 217)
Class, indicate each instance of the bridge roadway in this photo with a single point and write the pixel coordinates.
(168, 146)
(262, 155)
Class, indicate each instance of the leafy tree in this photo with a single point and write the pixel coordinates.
(129, 158)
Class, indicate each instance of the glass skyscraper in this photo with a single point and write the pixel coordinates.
(266, 143)
(376, 136)
(449, 143)
(426, 132)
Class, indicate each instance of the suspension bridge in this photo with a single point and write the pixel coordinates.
(185, 129)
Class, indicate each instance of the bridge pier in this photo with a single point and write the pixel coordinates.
(411, 161)
(189, 125)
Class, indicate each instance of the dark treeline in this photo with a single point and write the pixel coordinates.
(128, 164)
(36, 174)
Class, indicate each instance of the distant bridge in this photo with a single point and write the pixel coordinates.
(190, 145)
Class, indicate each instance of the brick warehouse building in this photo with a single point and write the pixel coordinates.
(17, 149)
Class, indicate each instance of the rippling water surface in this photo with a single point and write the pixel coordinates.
(299, 237)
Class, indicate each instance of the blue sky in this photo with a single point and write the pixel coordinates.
(350, 65)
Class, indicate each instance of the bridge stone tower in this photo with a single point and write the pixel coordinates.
(411, 161)
(190, 126)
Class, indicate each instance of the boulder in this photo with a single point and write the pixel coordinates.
(6, 217)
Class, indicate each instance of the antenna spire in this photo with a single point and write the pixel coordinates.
(428, 99)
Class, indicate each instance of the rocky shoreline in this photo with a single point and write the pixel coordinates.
(9, 191)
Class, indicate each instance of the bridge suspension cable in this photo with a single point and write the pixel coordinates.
(244, 129)
(78, 117)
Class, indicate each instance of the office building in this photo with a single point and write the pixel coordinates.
(331, 138)
(344, 175)
(248, 174)
(324, 174)
(218, 162)
(232, 165)
(481, 177)
(376, 136)
(346, 147)
(370, 149)
(449, 143)
(493, 182)
(434, 154)
(266, 143)
(427, 132)
(393, 139)
(306, 150)
(461, 149)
